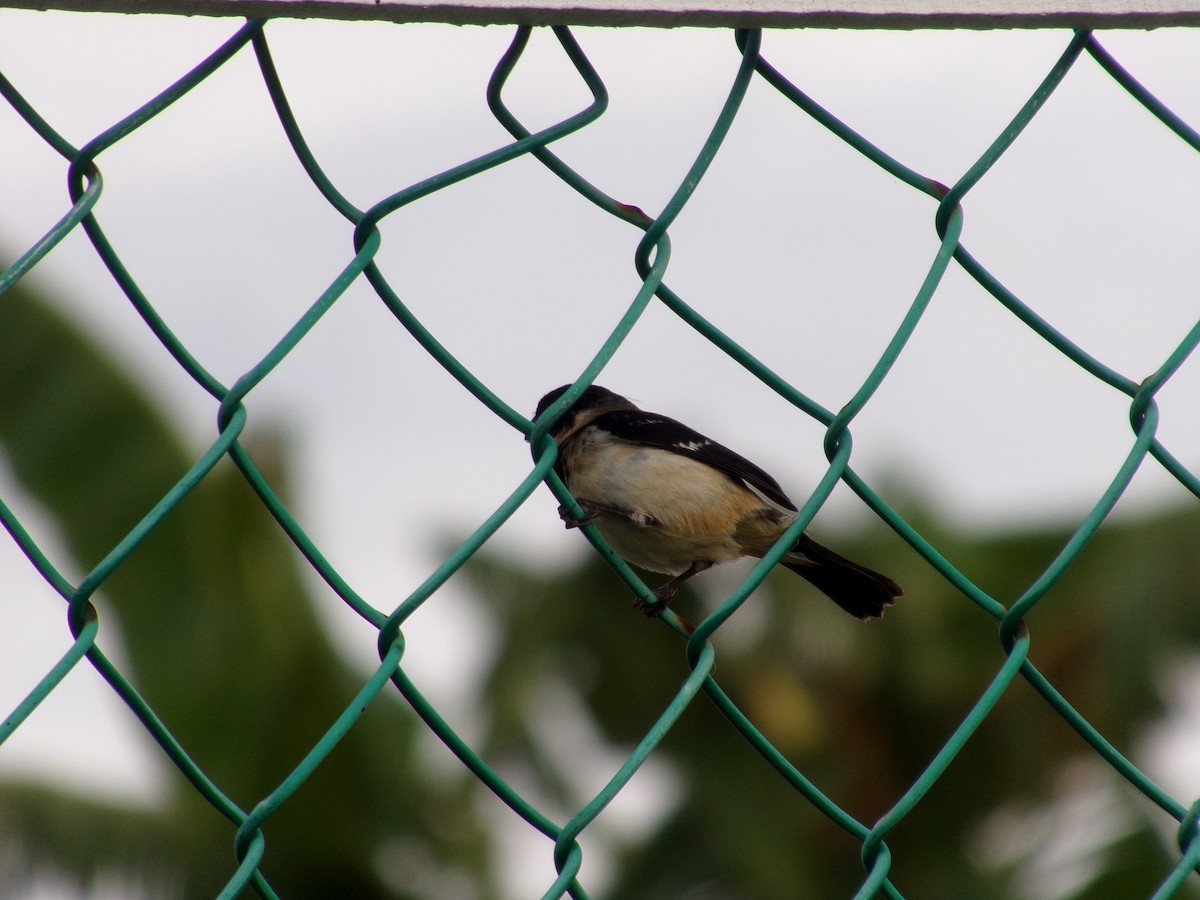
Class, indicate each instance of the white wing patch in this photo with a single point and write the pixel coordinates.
(765, 499)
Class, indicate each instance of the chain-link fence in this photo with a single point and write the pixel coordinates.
(248, 826)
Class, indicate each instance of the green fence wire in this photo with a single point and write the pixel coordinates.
(652, 260)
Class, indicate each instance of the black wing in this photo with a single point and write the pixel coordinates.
(653, 430)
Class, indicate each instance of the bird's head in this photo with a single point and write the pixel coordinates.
(593, 402)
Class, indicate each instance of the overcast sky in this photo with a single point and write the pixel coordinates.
(794, 245)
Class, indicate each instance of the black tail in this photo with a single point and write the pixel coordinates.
(854, 588)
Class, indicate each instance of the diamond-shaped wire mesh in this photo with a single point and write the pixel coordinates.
(1012, 665)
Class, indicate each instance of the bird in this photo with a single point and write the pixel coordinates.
(669, 500)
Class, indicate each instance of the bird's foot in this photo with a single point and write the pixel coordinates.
(666, 592)
(591, 511)
(663, 596)
(570, 520)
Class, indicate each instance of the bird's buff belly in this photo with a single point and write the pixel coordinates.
(655, 550)
(668, 511)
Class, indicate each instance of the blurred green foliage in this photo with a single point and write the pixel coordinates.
(221, 638)
(861, 709)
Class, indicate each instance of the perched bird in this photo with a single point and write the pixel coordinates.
(670, 500)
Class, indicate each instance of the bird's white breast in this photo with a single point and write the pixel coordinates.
(679, 511)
